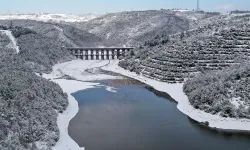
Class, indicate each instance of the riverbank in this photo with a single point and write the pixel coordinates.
(80, 70)
(75, 69)
(69, 86)
(176, 92)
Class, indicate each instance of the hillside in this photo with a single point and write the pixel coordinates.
(220, 43)
(29, 107)
(224, 93)
(133, 28)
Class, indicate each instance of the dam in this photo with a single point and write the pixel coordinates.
(96, 53)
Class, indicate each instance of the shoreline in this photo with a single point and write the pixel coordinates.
(176, 92)
(65, 142)
(77, 68)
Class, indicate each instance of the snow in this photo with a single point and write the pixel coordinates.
(181, 10)
(111, 89)
(13, 43)
(176, 92)
(42, 145)
(236, 102)
(49, 17)
(77, 69)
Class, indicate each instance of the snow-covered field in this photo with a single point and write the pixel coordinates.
(50, 17)
(79, 70)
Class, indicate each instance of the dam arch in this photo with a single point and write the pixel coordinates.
(96, 53)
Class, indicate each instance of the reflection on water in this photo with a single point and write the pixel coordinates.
(135, 118)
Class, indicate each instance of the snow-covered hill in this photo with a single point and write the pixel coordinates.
(135, 27)
(213, 45)
(49, 17)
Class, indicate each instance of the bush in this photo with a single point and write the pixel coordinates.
(19, 31)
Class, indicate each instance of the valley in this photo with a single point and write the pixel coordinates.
(201, 59)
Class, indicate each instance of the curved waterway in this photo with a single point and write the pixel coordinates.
(136, 117)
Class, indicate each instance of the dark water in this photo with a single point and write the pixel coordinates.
(135, 118)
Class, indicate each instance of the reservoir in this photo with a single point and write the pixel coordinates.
(135, 117)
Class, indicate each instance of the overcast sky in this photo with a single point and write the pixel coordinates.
(105, 6)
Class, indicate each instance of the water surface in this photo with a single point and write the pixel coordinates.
(135, 118)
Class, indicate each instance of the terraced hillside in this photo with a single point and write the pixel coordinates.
(136, 27)
(222, 42)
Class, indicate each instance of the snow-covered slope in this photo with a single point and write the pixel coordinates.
(213, 45)
(136, 27)
(50, 17)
